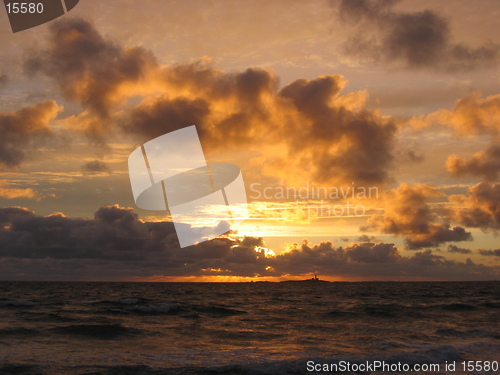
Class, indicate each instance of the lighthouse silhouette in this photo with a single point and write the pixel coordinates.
(28, 14)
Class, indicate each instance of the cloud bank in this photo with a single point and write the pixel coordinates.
(117, 244)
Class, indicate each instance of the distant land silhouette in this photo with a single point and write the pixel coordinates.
(314, 279)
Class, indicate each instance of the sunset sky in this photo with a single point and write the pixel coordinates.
(397, 98)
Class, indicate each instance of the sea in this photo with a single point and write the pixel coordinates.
(246, 328)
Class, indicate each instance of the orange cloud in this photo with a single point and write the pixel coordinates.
(471, 115)
(485, 164)
(318, 134)
(18, 193)
(408, 213)
(480, 208)
(24, 130)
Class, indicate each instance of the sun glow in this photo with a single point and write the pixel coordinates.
(234, 279)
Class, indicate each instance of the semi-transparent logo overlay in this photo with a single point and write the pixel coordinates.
(170, 173)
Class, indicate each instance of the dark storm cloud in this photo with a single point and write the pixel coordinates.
(248, 86)
(407, 213)
(229, 107)
(480, 208)
(412, 39)
(116, 235)
(11, 213)
(101, 74)
(89, 69)
(164, 115)
(426, 258)
(382, 260)
(371, 253)
(459, 250)
(489, 253)
(306, 258)
(436, 234)
(24, 130)
(112, 234)
(95, 166)
(230, 110)
(364, 141)
(235, 109)
(116, 244)
(484, 164)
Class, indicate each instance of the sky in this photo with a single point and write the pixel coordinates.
(366, 131)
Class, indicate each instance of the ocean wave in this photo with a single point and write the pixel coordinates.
(18, 303)
(468, 333)
(458, 307)
(495, 305)
(33, 316)
(340, 314)
(163, 309)
(387, 311)
(98, 331)
(17, 331)
(218, 311)
(128, 301)
(120, 302)
(19, 369)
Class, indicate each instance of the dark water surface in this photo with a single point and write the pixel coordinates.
(241, 328)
